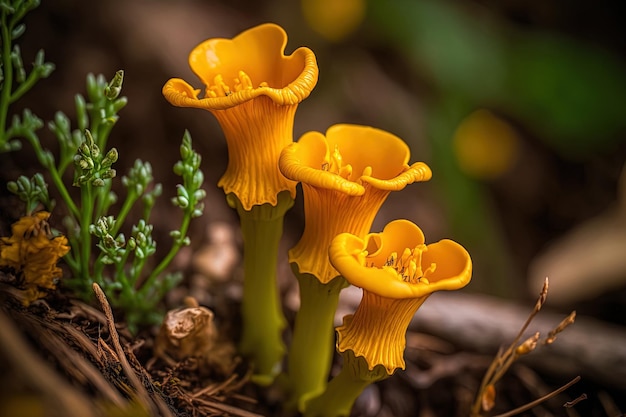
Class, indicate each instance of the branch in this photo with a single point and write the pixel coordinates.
(591, 348)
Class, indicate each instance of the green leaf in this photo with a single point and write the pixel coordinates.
(572, 93)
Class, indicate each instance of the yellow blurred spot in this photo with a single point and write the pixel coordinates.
(333, 19)
(485, 145)
(489, 397)
(33, 254)
(22, 405)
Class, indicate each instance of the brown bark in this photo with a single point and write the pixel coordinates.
(590, 348)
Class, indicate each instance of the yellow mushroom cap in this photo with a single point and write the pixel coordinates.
(397, 273)
(346, 175)
(253, 89)
(249, 65)
(364, 261)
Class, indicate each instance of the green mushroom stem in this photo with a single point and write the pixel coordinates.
(312, 347)
(343, 390)
(263, 319)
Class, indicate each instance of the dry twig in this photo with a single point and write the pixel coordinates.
(538, 401)
(485, 399)
(154, 404)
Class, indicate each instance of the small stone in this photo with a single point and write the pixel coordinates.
(219, 258)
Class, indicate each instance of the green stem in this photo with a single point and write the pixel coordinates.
(178, 243)
(70, 261)
(85, 236)
(313, 344)
(98, 270)
(96, 118)
(19, 14)
(63, 164)
(100, 198)
(126, 207)
(104, 130)
(263, 319)
(62, 189)
(343, 390)
(54, 174)
(338, 398)
(135, 271)
(120, 274)
(23, 88)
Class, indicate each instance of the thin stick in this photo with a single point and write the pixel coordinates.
(227, 408)
(140, 389)
(505, 358)
(213, 388)
(540, 301)
(539, 400)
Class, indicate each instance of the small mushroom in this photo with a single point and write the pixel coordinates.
(190, 332)
(397, 272)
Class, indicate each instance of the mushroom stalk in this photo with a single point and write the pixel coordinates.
(312, 347)
(263, 319)
(343, 390)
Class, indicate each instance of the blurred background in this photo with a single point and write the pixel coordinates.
(517, 106)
